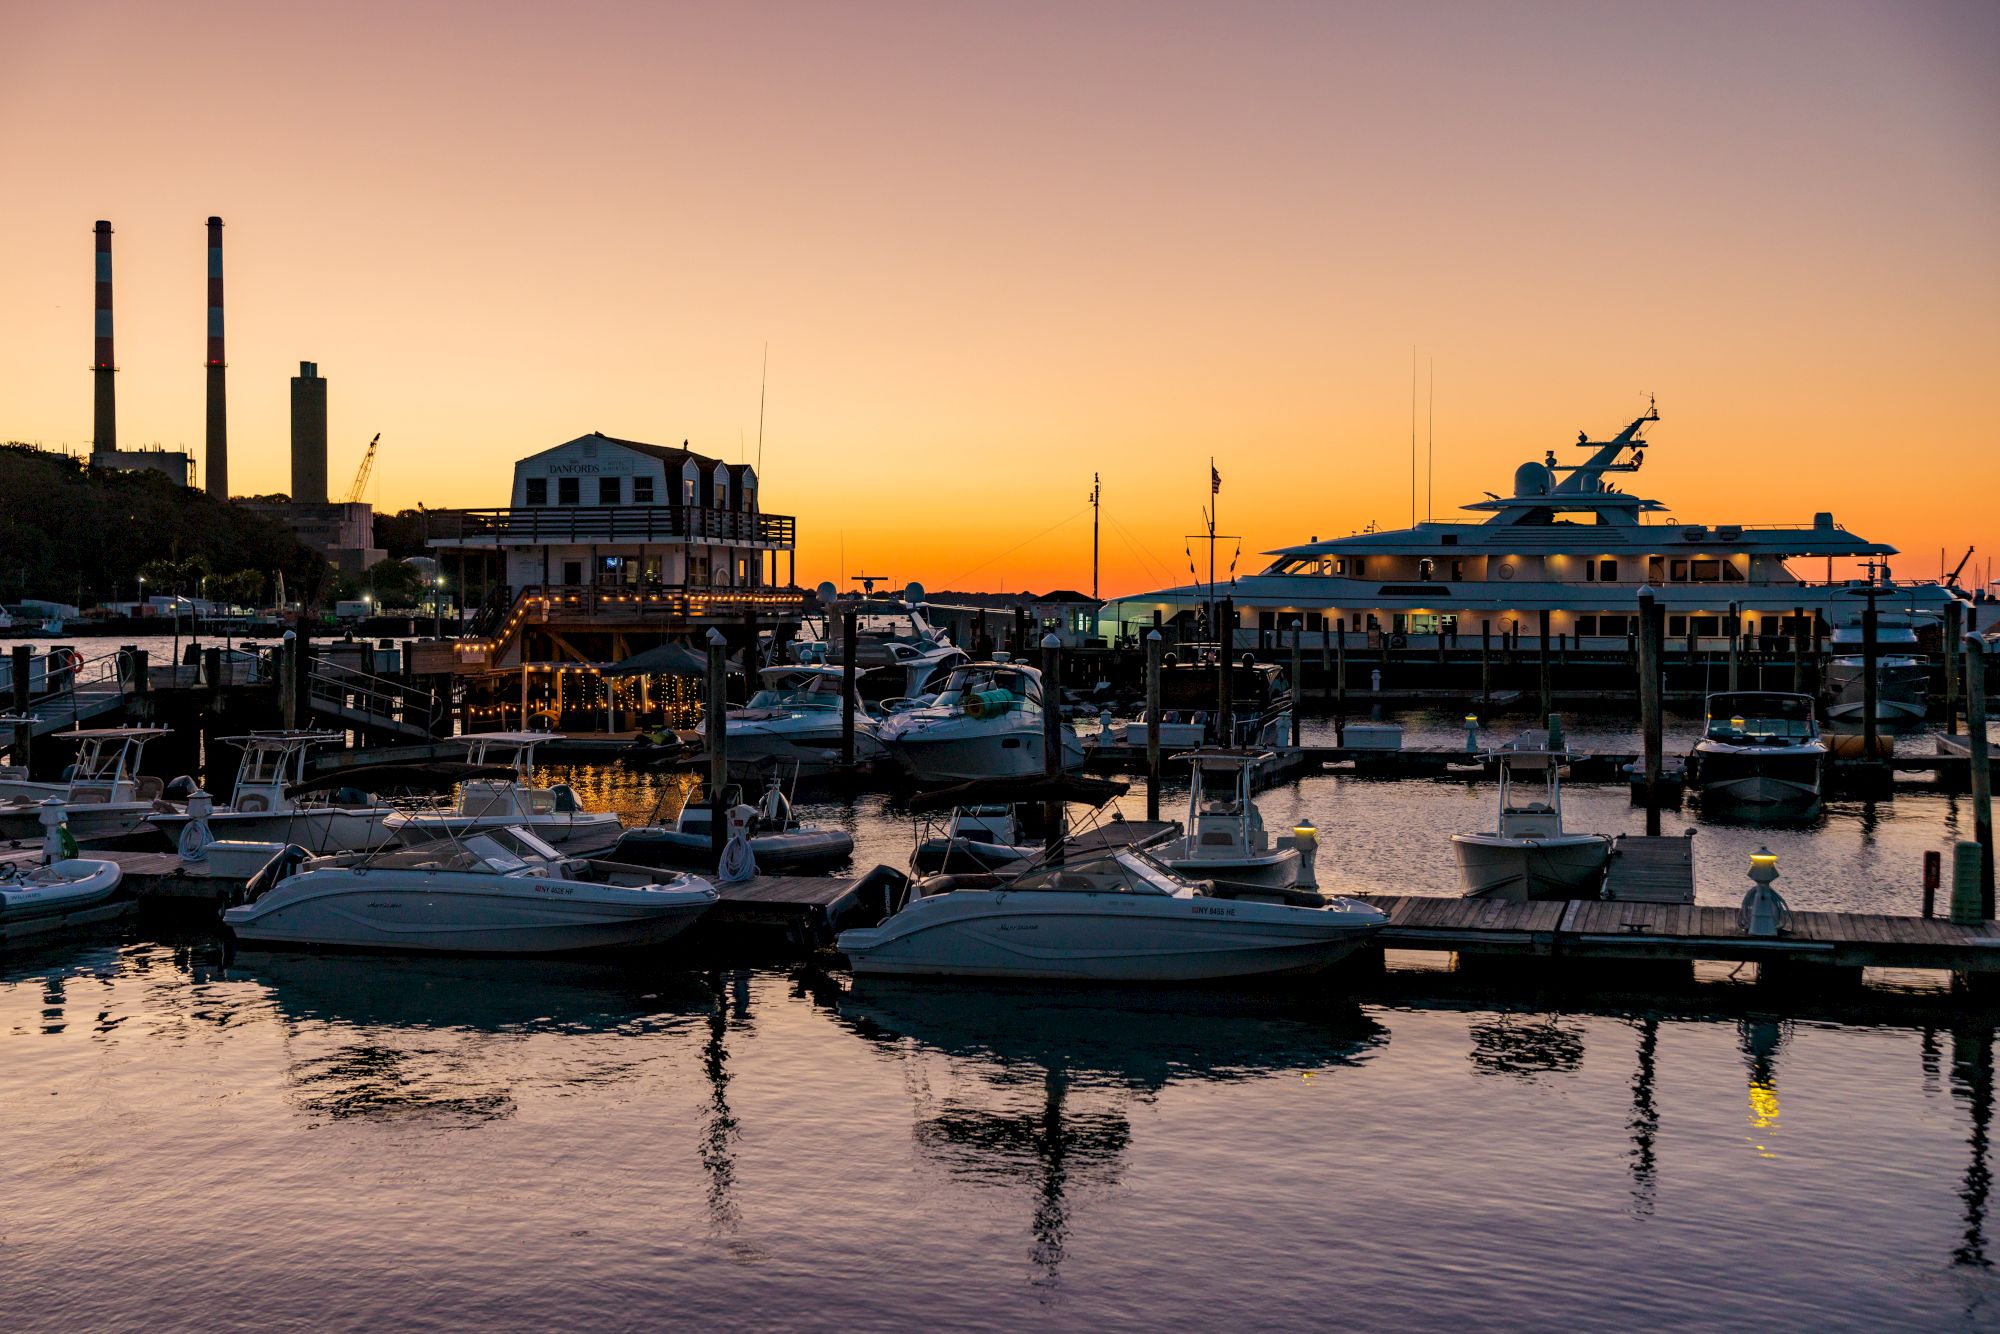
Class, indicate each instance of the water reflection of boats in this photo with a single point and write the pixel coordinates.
(484, 994)
(1052, 1069)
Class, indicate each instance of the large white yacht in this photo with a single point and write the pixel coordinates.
(893, 639)
(1567, 540)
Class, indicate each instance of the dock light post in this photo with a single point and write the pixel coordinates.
(1155, 645)
(1763, 912)
(1472, 734)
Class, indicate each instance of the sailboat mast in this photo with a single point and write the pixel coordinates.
(1096, 493)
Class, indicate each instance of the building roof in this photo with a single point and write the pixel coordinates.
(665, 453)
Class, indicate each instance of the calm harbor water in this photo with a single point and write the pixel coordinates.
(340, 1142)
(345, 1142)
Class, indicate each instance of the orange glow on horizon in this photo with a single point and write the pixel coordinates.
(995, 251)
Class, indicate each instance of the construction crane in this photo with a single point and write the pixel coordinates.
(1951, 580)
(361, 473)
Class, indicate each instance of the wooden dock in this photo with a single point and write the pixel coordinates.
(1622, 932)
(1644, 869)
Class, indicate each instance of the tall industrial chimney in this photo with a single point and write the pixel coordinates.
(218, 397)
(308, 436)
(104, 421)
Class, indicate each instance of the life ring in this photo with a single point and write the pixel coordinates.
(71, 661)
(1506, 570)
(1399, 641)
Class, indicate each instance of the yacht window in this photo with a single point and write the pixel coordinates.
(1607, 570)
(1678, 571)
(1730, 574)
(1458, 569)
(1614, 625)
(1586, 625)
(1656, 570)
(1677, 625)
(538, 491)
(1590, 572)
(1359, 567)
(1424, 569)
(1705, 571)
(569, 491)
(1707, 625)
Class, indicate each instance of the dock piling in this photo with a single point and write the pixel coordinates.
(1340, 686)
(847, 687)
(1649, 703)
(1154, 646)
(1052, 737)
(1542, 662)
(1952, 634)
(1982, 766)
(1735, 641)
(1870, 687)
(1798, 650)
(1485, 665)
(1298, 675)
(715, 711)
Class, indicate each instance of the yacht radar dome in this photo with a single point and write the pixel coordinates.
(827, 592)
(913, 592)
(1533, 479)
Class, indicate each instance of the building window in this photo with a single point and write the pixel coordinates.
(538, 490)
(572, 572)
(1607, 570)
(642, 490)
(568, 491)
(610, 490)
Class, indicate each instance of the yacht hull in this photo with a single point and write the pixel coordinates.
(1105, 938)
(1274, 870)
(1569, 866)
(808, 750)
(954, 756)
(452, 912)
(1771, 779)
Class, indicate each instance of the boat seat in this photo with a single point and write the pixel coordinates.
(147, 787)
(254, 801)
(1217, 836)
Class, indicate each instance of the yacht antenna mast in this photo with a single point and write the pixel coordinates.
(1413, 435)
(763, 380)
(1096, 494)
(1430, 442)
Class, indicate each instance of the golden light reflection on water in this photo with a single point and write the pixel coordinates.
(1763, 1117)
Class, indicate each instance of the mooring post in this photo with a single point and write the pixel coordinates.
(715, 714)
(22, 665)
(1155, 645)
(1548, 697)
(1868, 683)
(1649, 703)
(1818, 664)
(847, 686)
(1982, 766)
(1485, 665)
(1798, 650)
(1735, 639)
(1298, 675)
(302, 673)
(1952, 634)
(1052, 738)
(1340, 686)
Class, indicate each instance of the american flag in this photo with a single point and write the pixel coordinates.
(1214, 481)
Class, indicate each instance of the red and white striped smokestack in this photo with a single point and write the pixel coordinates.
(104, 423)
(218, 401)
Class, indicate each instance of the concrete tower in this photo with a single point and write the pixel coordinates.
(104, 420)
(218, 396)
(308, 436)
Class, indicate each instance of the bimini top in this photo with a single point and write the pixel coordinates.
(507, 738)
(124, 733)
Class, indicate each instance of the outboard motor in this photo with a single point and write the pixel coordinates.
(179, 788)
(286, 863)
(565, 798)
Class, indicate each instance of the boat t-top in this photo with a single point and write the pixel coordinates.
(261, 809)
(105, 795)
(1568, 539)
(1529, 855)
(1226, 840)
(552, 814)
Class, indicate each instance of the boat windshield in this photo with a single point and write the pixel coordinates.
(985, 683)
(1738, 717)
(1122, 872)
(813, 692)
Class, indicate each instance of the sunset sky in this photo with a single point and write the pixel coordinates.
(994, 248)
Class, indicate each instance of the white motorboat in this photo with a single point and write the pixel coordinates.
(105, 794)
(1179, 730)
(497, 891)
(1529, 855)
(58, 887)
(263, 806)
(1759, 749)
(892, 639)
(1226, 840)
(552, 814)
(795, 719)
(985, 723)
(1114, 916)
(1902, 678)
